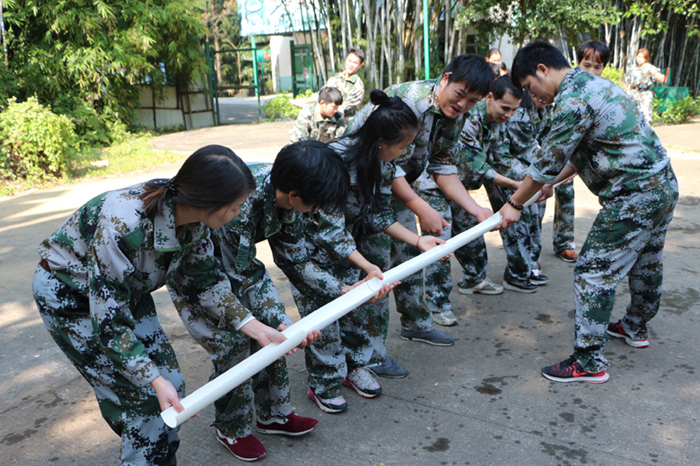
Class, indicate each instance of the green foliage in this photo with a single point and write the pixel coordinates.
(279, 109)
(680, 111)
(36, 143)
(613, 74)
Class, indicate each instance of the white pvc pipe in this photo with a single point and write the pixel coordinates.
(319, 319)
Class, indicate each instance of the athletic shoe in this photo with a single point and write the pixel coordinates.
(538, 278)
(246, 448)
(616, 330)
(432, 337)
(446, 318)
(485, 287)
(292, 425)
(520, 287)
(571, 371)
(363, 383)
(333, 405)
(567, 255)
(389, 369)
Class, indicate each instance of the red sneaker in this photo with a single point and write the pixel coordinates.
(567, 255)
(246, 448)
(616, 330)
(291, 425)
(570, 370)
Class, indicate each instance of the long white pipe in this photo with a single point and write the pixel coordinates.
(317, 320)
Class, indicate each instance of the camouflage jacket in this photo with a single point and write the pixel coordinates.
(641, 77)
(597, 128)
(310, 124)
(526, 129)
(334, 232)
(353, 90)
(432, 149)
(112, 253)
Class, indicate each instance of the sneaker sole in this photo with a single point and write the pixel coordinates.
(283, 432)
(325, 408)
(569, 261)
(360, 392)
(538, 282)
(468, 291)
(445, 323)
(423, 340)
(510, 287)
(583, 378)
(629, 341)
(242, 458)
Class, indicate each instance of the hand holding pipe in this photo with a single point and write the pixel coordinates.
(319, 319)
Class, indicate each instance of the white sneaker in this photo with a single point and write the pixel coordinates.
(446, 318)
(485, 287)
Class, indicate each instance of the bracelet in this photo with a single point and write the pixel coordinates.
(514, 205)
(418, 242)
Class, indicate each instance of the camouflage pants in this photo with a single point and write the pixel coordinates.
(627, 239)
(517, 240)
(472, 257)
(417, 298)
(267, 393)
(563, 227)
(644, 101)
(356, 339)
(131, 411)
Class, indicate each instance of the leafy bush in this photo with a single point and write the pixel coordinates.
(36, 143)
(613, 74)
(279, 109)
(681, 111)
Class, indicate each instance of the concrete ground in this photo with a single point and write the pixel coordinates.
(480, 402)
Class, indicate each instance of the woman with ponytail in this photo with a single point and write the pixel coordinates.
(358, 240)
(94, 282)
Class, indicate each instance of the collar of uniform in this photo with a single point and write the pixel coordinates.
(432, 101)
(567, 82)
(351, 79)
(165, 237)
(271, 220)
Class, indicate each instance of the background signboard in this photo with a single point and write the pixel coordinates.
(269, 17)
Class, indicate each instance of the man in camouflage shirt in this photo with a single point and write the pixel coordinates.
(442, 104)
(321, 120)
(350, 83)
(597, 131)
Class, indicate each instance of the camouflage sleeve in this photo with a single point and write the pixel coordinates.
(521, 135)
(473, 161)
(201, 279)
(386, 217)
(502, 160)
(354, 97)
(340, 128)
(109, 272)
(330, 233)
(360, 118)
(291, 251)
(569, 124)
(303, 126)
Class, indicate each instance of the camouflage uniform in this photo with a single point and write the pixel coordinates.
(357, 339)
(353, 90)
(484, 149)
(597, 129)
(268, 392)
(640, 79)
(105, 260)
(310, 124)
(430, 152)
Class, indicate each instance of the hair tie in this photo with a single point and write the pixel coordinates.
(170, 185)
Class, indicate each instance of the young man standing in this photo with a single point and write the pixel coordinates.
(441, 104)
(350, 83)
(598, 132)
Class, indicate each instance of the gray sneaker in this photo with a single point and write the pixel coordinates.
(446, 318)
(363, 383)
(389, 369)
(432, 337)
(485, 287)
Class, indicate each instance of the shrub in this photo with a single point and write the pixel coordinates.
(36, 143)
(279, 109)
(613, 74)
(681, 111)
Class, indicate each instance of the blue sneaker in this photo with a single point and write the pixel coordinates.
(389, 369)
(432, 337)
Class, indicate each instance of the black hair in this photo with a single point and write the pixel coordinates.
(533, 54)
(505, 84)
(594, 49)
(472, 70)
(210, 179)
(527, 100)
(330, 94)
(504, 67)
(496, 69)
(393, 120)
(314, 172)
(360, 54)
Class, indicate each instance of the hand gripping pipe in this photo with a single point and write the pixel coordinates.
(322, 317)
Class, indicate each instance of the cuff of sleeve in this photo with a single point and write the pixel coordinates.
(244, 321)
(490, 175)
(399, 172)
(144, 375)
(538, 176)
(442, 169)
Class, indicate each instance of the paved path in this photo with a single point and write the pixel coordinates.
(480, 402)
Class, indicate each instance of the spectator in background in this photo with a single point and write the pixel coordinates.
(321, 120)
(592, 56)
(350, 83)
(640, 79)
(494, 56)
